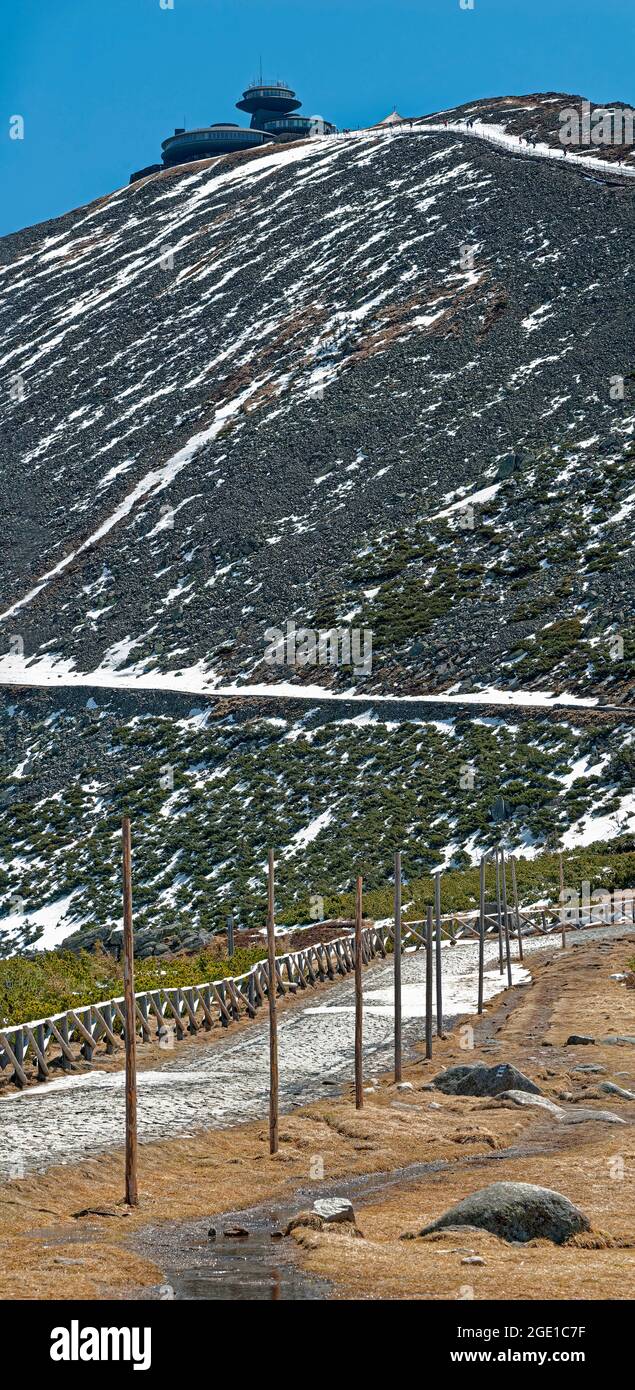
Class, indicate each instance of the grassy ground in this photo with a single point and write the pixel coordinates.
(49, 1250)
(600, 866)
(58, 980)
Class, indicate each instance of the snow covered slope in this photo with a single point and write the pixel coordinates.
(383, 380)
(262, 389)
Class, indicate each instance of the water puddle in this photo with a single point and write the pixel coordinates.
(260, 1265)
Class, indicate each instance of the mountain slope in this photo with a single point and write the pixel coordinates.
(383, 381)
(333, 787)
(252, 394)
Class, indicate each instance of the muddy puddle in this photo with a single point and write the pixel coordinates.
(260, 1264)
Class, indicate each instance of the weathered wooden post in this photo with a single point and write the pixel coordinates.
(438, 976)
(505, 916)
(481, 935)
(516, 908)
(132, 1195)
(230, 934)
(429, 982)
(498, 913)
(273, 1017)
(359, 1092)
(562, 898)
(397, 966)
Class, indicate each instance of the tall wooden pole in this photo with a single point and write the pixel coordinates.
(516, 909)
(498, 913)
(438, 975)
(359, 1092)
(505, 916)
(481, 936)
(429, 982)
(397, 966)
(273, 1016)
(132, 1195)
(561, 871)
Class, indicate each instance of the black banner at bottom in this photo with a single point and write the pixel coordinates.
(460, 1337)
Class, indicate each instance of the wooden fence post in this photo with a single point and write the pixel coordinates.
(429, 982)
(498, 912)
(273, 1016)
(438, 975)
(562, 895)
(230, 934)
(132, 1195)
(397, 966)
(516, 908)
(505, 916)
(481, 936)
(359, 1093)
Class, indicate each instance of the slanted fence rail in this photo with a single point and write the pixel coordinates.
(537, 921)
(171, 1012)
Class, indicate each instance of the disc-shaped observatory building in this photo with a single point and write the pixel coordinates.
(273, 107)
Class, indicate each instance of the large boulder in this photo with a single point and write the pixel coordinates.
(475, 1079)
(517, 1211)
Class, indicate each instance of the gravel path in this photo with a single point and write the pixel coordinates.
(227, 1082)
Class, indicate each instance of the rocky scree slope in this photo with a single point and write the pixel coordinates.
(269, 391)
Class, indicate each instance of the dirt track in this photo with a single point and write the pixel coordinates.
(49, 1250)
(225, 1080)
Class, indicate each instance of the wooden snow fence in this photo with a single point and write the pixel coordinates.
(169, 1013)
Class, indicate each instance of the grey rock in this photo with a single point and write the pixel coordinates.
(526, 1098)
(581, 1114)
(610, 1088)
(579, 1040)
(332, 1209)
(475, 1079)
(619, 1040)
(589, 1066)
(516, 1211)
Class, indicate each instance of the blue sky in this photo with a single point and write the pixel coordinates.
(100, 83)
